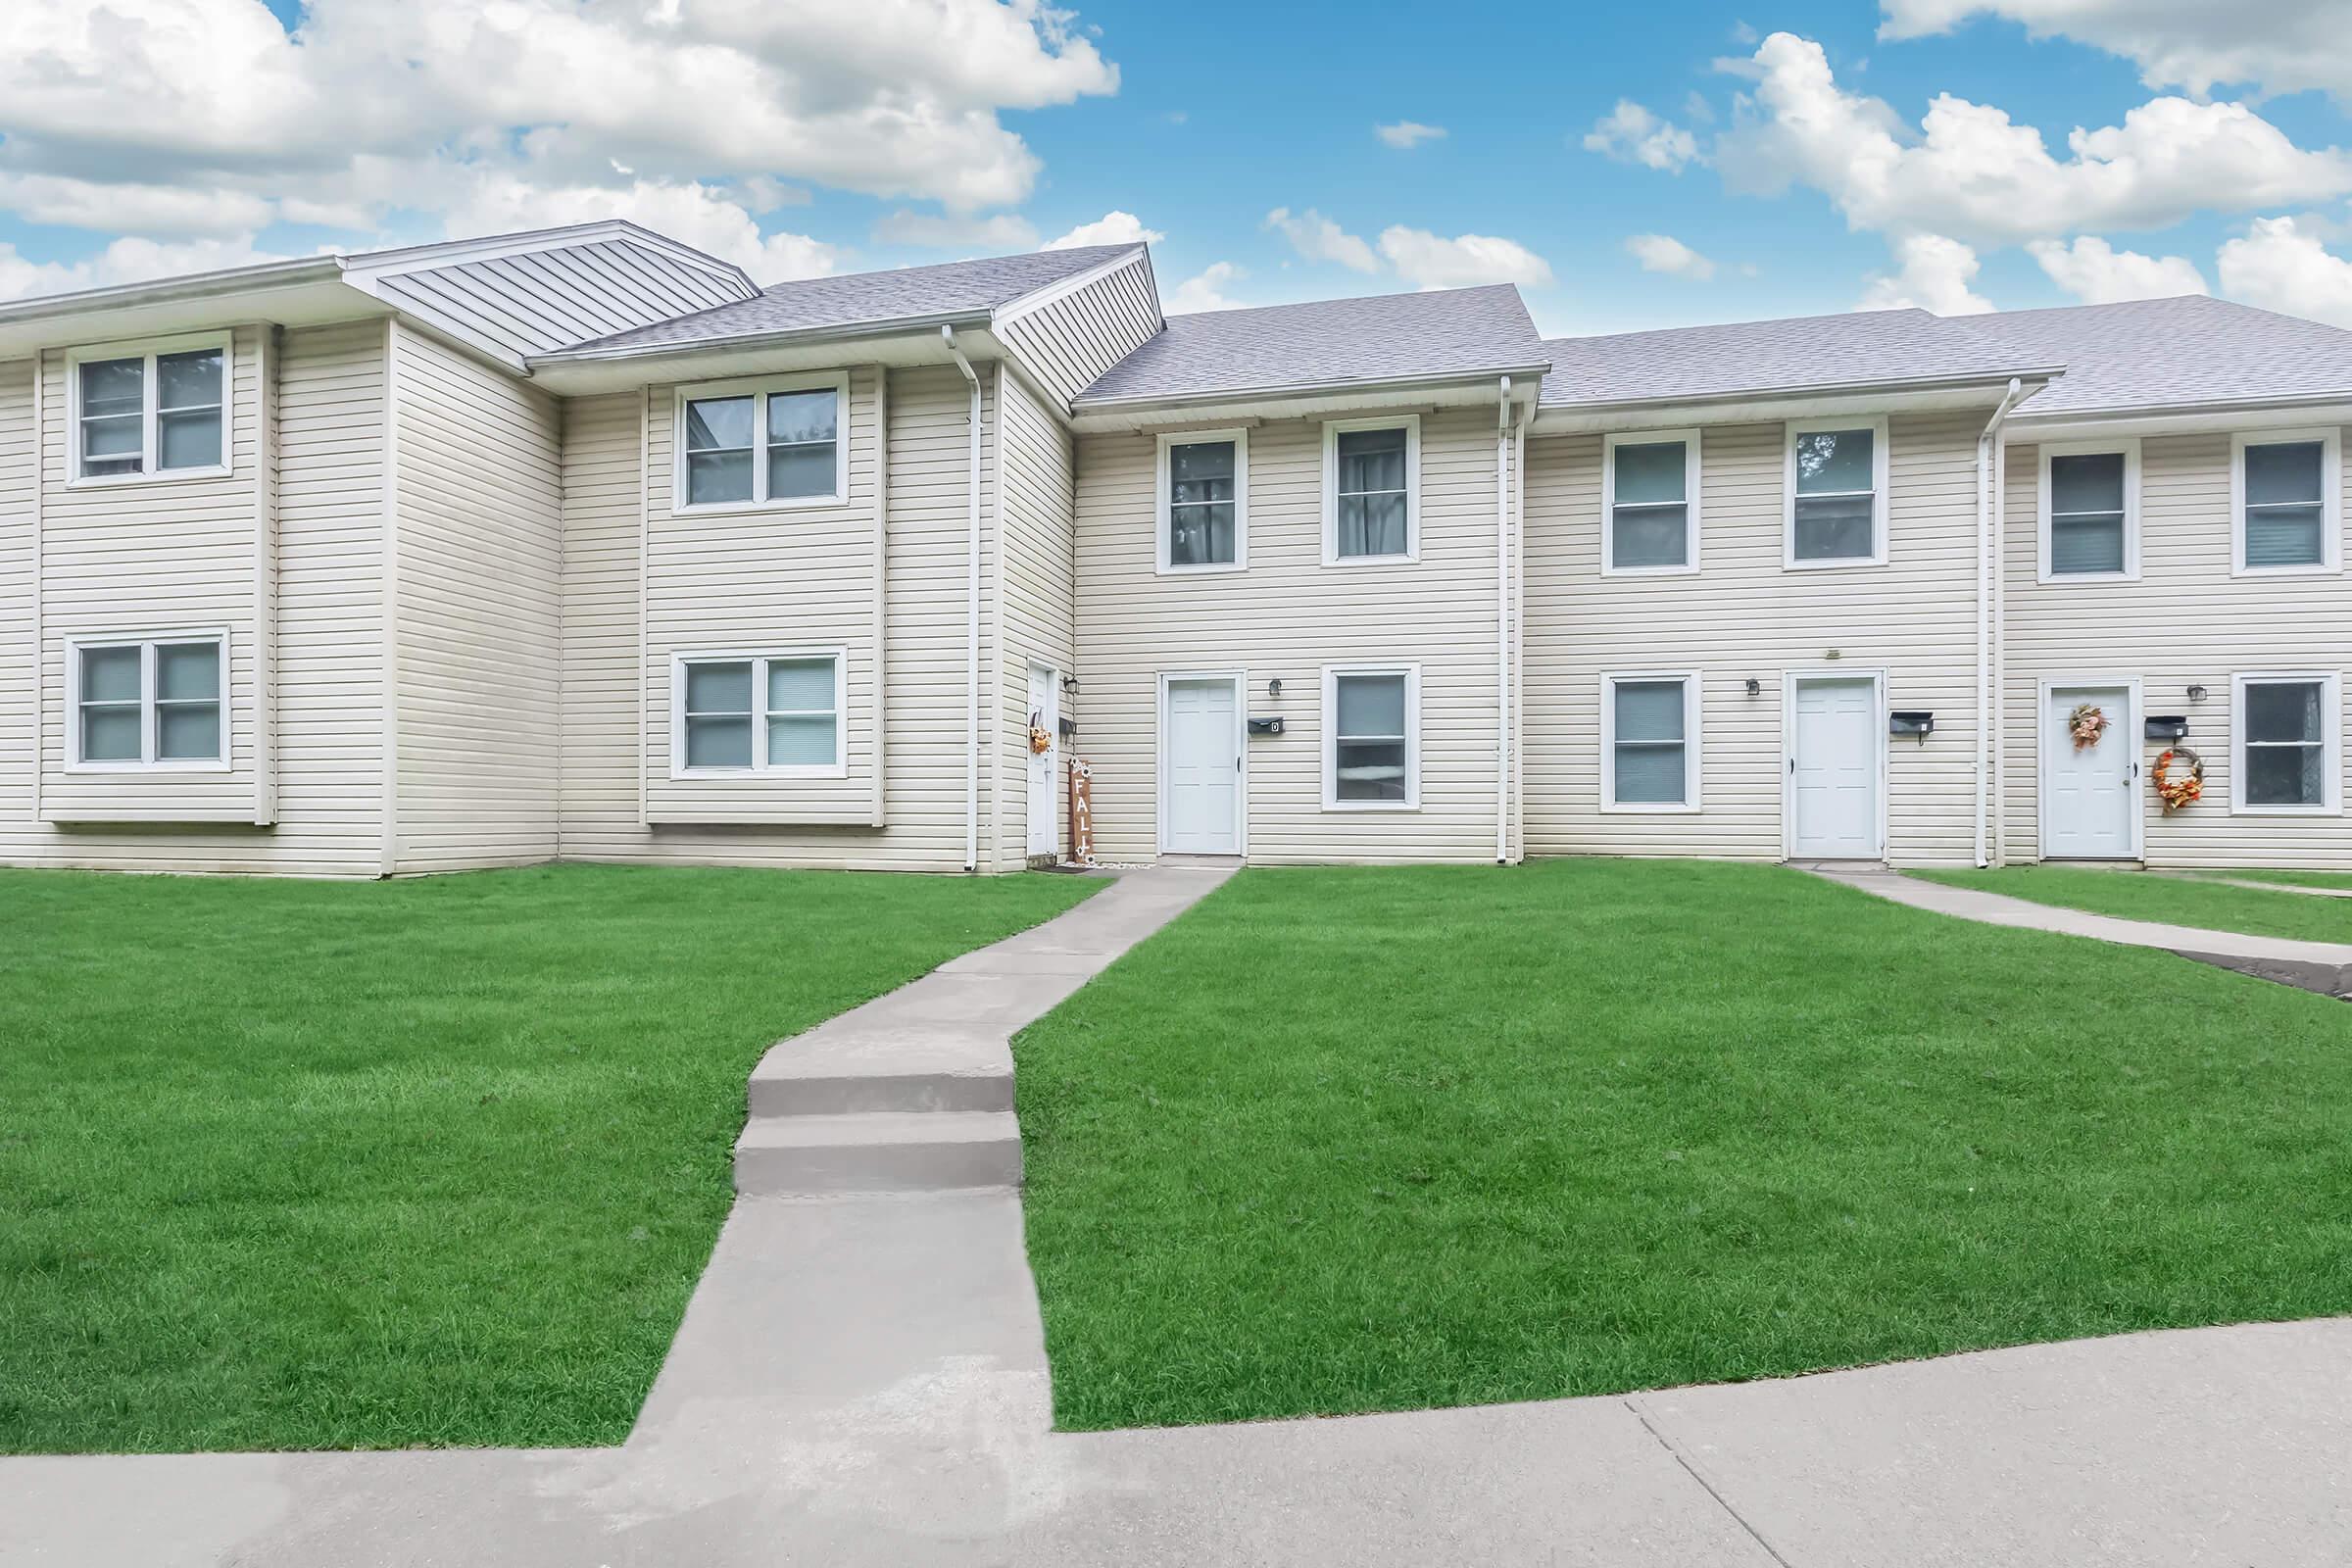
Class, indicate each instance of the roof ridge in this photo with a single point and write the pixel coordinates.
(1346, 299)
(1104, 251)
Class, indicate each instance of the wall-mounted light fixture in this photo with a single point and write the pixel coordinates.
(2196, 694)
(1274, 687)
(1755, 687)
(1069, 683)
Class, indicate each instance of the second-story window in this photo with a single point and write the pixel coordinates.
(1837, 478)
(151, 415)
(761, 444)
(1371, 474)
(1651, 488)
(2286, 485)
(2089, 504)
(1203, 501)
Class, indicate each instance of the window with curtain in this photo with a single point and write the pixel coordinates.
(140, 704)
(2284, 484)
(1650, 506)
(2088, 513)
(150, 414)
(1372, 492)
(1372, 749)
(779, 445)
(779, 713)
(1649, 744)
(1202, 520)
(2285, 730)
(1834, 513)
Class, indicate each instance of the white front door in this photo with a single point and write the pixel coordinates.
(1202, 767)
(1835, 747)
(1045, 767)
(2088, 793)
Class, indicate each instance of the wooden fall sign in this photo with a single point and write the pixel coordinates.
(1082, 814)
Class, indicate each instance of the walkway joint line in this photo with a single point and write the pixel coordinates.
(1709, 1487)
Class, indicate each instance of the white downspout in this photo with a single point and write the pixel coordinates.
(1503, 625)
(971, 631)
(1988, 566)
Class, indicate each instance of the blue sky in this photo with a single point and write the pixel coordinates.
(1773, 161)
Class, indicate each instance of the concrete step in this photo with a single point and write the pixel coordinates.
(797, 1087)
(878, 1152)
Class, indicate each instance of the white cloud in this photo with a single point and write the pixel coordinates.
(127, 261)
(1973, 175)
(1663, 252)
(1632, 134)
(132, 204)
(2280, 268)
(1003, 232)
(1111, 228)
(1431, 260)
(1205, 290)
(1319, 239)
(1408, 134)
(2280, 46)
(690, 212)
(1934, 273)
(2098, 273)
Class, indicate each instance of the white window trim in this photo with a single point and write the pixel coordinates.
(1608, 501)
(757, 388)
(1333, 429)
(761, 766)
(146, 642)
(1693, 789)
(1881, 513)
(2129, 447)
(2332, 483)
(149, 425)
(1412, 737)
(2330, 741)
(1240, 437)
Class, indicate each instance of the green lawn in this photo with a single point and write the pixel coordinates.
(1374, 1139)
(2308, 879)
(297, 1164)
(2172, 899)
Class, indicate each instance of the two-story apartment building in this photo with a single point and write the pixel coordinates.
(576, 544)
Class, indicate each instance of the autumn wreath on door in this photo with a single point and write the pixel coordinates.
(2088, 723)
(2180, 777)
(1041, 739)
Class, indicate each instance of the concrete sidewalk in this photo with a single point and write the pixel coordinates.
(2323, 966)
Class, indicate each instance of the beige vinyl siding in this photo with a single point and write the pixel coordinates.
(1039, 600)
(1287, 618)
(480, 540)
(1069, 342)
(2186, 622)
(753, 581)
(1744, 615)
(20, 634)
(199, 554)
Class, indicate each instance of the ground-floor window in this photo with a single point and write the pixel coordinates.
(2286, 743)
(1372, 747)
(149, 701)
(1650, 742)
(777, 713)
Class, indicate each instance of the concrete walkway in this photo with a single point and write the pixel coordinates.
(2324, 967)
(861, 1379)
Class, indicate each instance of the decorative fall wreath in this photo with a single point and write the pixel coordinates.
(2178, 791)
(1041, 739)
(2088, 722)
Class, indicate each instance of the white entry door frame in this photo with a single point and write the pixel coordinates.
(2050, 734)
(1239, 681)
(1045, 767)
(1792, 682)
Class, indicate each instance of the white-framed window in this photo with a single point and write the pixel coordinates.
(1836, 485)
(773, 442)
(1372, 738)
(2284, 744)
(2285, 501)
(1203, 513)
(1649, 485)
(148, 701)
(1649, 741)
(2091, 512)
(1372, 490)
(149, 410)
(776, 713)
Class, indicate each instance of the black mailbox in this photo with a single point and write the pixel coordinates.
(1915, 721)
(2167, 728)
(1266, 726)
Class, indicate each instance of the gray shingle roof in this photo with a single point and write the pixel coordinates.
(1387, 337)
(867, 299)
(2179, 352)
(1747, 357)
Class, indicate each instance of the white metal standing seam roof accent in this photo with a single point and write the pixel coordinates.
(2175, 354)
(862, 299)
(1442, 335)
(532, 301)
